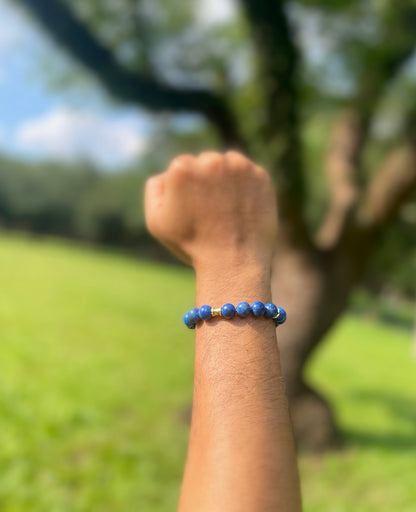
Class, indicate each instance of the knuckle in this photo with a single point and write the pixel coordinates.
(237, 160)
(180, 168)
(181, 162)
(211, 160)
(178, 161)
(232, 153)
(263, 174)
(151, 184)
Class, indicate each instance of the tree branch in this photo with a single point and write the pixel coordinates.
(389, 188)
(357, 218)
(278, 62)
(278, 58)
(379, 204)
(62, 24)
(341, 169)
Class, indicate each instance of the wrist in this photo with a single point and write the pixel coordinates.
(233, 280)
(232, 262)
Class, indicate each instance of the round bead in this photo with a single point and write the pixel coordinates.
(188, 321)
(257, 308)
(281, 318)
(194, 315)
(228, 310)
(270, 310)
(205, 312)
(243, 309)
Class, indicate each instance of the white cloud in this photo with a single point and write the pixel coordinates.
(211, 12)
(69, 135)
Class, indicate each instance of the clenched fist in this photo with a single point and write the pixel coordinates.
(213, 209)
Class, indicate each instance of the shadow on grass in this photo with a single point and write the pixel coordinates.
(397, 319)
(399, 406)
(402, 318)
(387, 440)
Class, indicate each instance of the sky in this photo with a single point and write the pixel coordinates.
(39, 121)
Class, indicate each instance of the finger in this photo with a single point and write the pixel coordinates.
(238, 162)
(211, 160)
(181, 163)
(178, 175)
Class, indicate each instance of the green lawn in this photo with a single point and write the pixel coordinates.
(96, 377)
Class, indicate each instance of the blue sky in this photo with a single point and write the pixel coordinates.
(40, 121)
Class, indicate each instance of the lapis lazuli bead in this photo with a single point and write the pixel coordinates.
(257, 308)
(270, 310)
(228, 310)
(188, 321)
(281, 319)
(194, 315)
(243, 309)
(205, 312)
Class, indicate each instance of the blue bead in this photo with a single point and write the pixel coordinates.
(257, 308)
(281, 319)
(194, 315)
(188, 321)
(228, 310)
(205, 312)
(243, 309)
(270, 310)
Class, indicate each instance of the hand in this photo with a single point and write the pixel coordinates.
(213, 209)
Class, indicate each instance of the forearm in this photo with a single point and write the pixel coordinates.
(218, 213)
(241, 453)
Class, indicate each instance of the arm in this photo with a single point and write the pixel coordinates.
(218, 214)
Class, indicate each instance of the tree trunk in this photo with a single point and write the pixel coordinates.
(314, 291)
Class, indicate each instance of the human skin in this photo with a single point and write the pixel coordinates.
(217, 213)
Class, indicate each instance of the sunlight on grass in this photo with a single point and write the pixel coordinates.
(96, 378)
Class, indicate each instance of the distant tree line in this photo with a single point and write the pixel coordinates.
(72, 201)
(80, 202)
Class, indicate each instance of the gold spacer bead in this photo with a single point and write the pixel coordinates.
(216, 312)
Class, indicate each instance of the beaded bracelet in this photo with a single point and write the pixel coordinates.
(228, 311)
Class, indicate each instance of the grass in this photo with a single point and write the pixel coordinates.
(96, 376)
(368, 373)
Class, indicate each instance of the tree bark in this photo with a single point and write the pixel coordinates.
(299, 285)
(314, 287)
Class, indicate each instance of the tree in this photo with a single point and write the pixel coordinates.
(360, 83)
